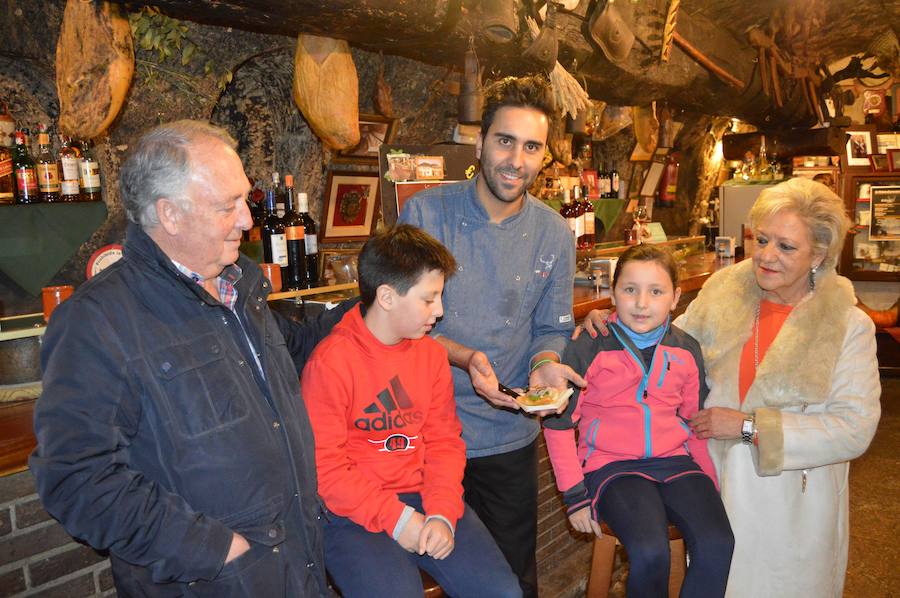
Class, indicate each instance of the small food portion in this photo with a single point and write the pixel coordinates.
(543, 399)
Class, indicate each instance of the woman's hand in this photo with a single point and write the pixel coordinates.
(594, 322)
(718, 422)
(582, 521)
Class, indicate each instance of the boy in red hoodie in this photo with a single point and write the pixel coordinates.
(389, 454)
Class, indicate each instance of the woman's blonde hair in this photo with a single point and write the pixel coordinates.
(816, 205)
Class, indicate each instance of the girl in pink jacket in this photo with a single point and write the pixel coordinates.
(634, 462)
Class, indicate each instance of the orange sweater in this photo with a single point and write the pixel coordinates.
(771, 318)
(385, 423)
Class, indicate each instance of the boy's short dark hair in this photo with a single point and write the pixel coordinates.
(533, 91)
(648, 253)
(398, 257)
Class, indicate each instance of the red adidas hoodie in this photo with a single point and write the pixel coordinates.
(385, 423)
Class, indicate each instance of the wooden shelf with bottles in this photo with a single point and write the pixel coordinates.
(863, 258)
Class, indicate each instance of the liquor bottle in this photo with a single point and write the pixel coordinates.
(7, 144)
(293, 277)
(569, 213)
(579, 215)
(587, 240)
(614, 182)
(311, 241)
(69, 157)
(47, 171)
(274, 243)
(90, 174)
(26, 174)
(7, 177)
(279, 194)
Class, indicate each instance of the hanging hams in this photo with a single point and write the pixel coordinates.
(326, 89)
(94, 66)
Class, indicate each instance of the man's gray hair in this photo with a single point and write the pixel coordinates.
(159, 165)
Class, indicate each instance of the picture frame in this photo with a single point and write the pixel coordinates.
(893, 160)
(348, 209)
(338, 266)
(879, 162)
(374, 131)
(860, 143)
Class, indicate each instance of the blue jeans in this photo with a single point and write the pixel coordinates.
(638, 511)
(373, 565)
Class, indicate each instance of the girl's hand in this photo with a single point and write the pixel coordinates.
(582, 521)
(718, 422)
(594, 322)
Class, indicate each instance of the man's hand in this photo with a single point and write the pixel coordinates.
(594, 323)
(436, 538)
(239, 546)
(485, 383)
(718, 422)
(582, 521)
(558, 376)
(409, 536)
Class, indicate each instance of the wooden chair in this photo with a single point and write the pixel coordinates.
(604, 557)
(431, 587)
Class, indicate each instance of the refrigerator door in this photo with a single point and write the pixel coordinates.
(735, 204)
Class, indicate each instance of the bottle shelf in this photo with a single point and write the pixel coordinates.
(313, 291)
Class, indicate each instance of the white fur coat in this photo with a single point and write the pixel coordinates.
(816, 402)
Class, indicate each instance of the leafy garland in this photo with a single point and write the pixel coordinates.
(168, 38)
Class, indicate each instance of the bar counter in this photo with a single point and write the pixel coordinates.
(17, 435)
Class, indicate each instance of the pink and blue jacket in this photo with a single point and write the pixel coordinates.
(627, 411)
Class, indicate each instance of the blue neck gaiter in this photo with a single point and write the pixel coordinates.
(642, 340)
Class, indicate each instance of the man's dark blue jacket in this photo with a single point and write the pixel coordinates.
(157, 436)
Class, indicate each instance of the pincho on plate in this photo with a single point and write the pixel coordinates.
(543, 398)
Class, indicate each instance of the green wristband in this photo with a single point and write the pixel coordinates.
(540, 363)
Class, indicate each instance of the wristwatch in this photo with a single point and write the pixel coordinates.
(748, 429)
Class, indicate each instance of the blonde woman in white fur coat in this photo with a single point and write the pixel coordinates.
(794, 394)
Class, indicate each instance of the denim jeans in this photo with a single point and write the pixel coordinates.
(373, 565)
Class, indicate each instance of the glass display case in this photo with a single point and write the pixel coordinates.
(872, 250)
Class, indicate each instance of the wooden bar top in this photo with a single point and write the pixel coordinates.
(17, 434)
(693, 273)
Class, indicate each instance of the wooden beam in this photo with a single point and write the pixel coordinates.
(437, 32)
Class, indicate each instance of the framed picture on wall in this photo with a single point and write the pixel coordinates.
(374, 130)
(860, 145)
(893, 159)
(348, 211)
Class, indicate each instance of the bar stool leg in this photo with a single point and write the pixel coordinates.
(602, 563)
(676, 567)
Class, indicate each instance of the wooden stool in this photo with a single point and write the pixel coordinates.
(431, 587)
(604, 557)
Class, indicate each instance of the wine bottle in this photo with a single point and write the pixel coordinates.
(311, 242)
(588, 238)
(569, 213)
(579, 215)
(279, 194)
(26, 174)
(294, 275)
(90, 174)
(68, 168)
(274, 242)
